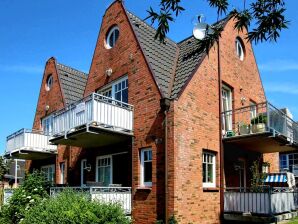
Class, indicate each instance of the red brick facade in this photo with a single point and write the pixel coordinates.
(192, 124)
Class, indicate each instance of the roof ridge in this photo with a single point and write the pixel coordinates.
(150, 26)
(71, 68)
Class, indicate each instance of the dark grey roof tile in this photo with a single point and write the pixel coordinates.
(73, 83)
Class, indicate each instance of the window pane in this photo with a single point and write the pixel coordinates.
(210, 173)
(111, 40)
(107, 176)
(148, 172)
(118, 96)
(204, 173)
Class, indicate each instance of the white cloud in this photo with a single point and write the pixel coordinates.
(286, 88)
(279, 65)
(28, 69)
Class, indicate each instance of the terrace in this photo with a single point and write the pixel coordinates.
(29, 144)
(95, 121)
(260, 127)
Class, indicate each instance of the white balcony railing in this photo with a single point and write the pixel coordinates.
(25, 139)
(94, 110)
(119, 195)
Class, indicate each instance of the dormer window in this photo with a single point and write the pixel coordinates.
(239, 48)
(49, 83)
(112, 37)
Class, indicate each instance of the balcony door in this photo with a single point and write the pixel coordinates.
(117, 90)
(104, 170)
(242, 175)
(83, 172)
(49, 172)
(226, 109)
(47, 125)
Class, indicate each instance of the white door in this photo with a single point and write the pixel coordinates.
(226, 109)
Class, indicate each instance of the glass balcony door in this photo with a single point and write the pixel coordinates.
(226, 109)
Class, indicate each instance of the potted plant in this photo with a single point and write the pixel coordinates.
(259, 123)
(244, 129)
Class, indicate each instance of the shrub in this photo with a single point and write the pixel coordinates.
(33, 190)
(69, 207)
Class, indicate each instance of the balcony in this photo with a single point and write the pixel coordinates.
(269, 202)
(119, 195)
(93, 122)
(29, 144)
(261, 127)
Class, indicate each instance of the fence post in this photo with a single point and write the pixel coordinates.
(270, 194)
(268, 115)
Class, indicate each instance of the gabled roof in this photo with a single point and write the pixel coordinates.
(189, 60)
(171, 63)
(73, 83)
(161, 57)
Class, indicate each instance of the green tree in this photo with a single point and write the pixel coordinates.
(29, 194)
(264, 19)
(71, 207)
(4, 167)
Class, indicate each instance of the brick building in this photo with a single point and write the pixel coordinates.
(147, 118)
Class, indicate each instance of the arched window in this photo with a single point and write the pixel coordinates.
(112, 37)
(240, 49)
(49, 83)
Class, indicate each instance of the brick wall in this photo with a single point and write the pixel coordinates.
(273, 159)
(196, 126)
(126, 58)
(55, 100)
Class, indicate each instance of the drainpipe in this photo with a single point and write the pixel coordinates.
(165, 106)
(221, 148)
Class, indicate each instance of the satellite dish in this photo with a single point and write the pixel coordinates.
(200, 31)
(200, 27)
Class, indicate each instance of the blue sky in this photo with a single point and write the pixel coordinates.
(32, 31)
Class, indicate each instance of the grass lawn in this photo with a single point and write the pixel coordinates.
(293, 221)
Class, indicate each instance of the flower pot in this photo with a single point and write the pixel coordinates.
(258, 128)
(244, 130)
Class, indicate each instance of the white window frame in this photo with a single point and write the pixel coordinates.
(111, 31)
(112, 86)
(83, 166)
(97, 166)
(51, 124)
(227, 116)
(253, 110)
(239, 49)
(62, 173)
(143, 183)
(48, 174)
(49, 82)
(209, 184)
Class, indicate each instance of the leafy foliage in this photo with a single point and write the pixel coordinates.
(33, 191)
(172, 220)
(257, 181)
(261, 118)
(4, 167)
(268, 17)
(167, 7)
(70, 207)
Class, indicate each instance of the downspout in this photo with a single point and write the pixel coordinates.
(165, 106)
(221, 148)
